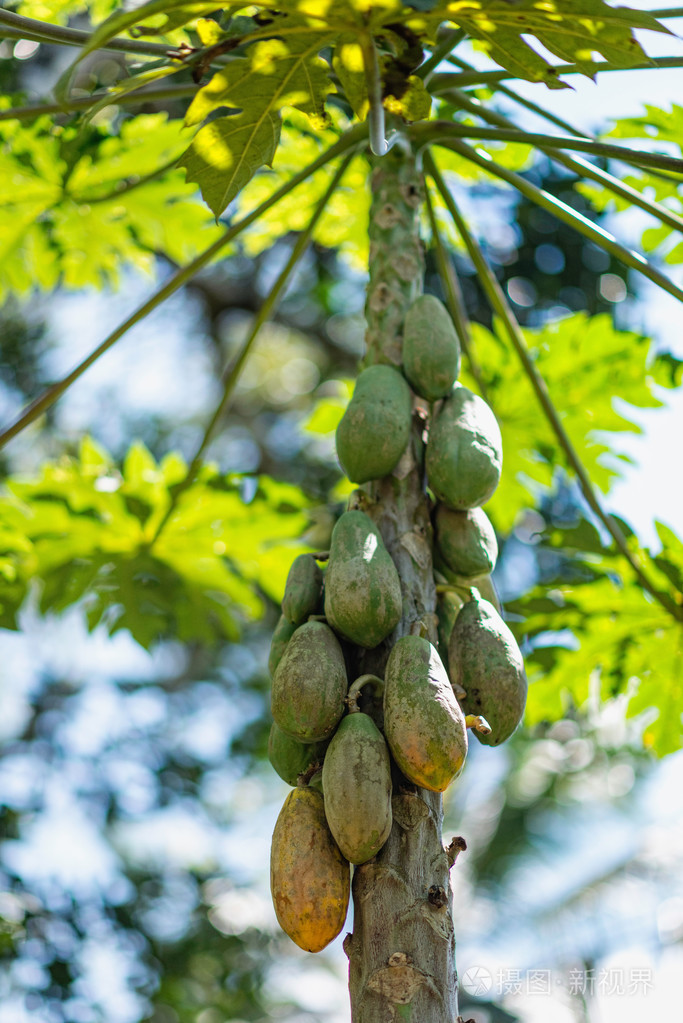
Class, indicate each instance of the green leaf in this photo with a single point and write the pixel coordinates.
(350, 70)
(173, 12)
(274, 74)
(76, 206)
(587, 364)
(84, 532)
(60, 11)
(572, 30)
(664, 130)
(343, 224)
(226, 154)
(415, 103)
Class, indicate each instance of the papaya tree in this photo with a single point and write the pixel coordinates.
(360, 126)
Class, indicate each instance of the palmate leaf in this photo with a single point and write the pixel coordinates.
(226, 153)
(84, 532)
(342, 226)
(664, 129)
(587, 364)
(573, 30)
(614, 636)
(64, 217)
(59, 11)
(274, 74)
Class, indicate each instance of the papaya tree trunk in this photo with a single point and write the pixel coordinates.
(402, 949)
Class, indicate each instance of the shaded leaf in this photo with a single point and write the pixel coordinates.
(226, 154)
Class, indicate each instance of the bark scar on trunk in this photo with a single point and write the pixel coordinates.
(399, 979)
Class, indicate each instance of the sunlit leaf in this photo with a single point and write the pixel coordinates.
(85, 531)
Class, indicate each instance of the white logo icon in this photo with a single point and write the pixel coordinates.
(476, 981)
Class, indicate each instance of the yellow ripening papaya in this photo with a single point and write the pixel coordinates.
(289, 757)
(375, 429)
(424, 725)
(284, 630)
(363, 601)
(431, 350)
(464, 451)
(485, 660)
(309, 877)
(357, 788)
(310, 684)
(303, 589)
(466, 540)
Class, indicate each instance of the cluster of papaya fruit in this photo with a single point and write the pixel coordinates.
(341, 758)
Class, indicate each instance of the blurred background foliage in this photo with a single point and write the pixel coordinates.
(136, 801)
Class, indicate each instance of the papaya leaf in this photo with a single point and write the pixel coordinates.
(572, 30)
(664, 129)
(173, 14)
(591, 629)
(76, 206)
(59, 12)
(414, 104)
(226, 153)
(343, 225)
(350, 70)
(84, 532)
(587, 364)
(274, 74)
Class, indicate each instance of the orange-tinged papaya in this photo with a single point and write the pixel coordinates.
(464, 451)
(303, 589)
(424, 725)
(431, 350)
(466, 540)
(309, 877)
(485, 660)
(375, 428)
(357, 788)
(363, 601)
(310, 684)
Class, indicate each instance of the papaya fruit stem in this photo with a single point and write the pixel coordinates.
(354, 691)
(478, 723)
(461, 591)
(304, 778)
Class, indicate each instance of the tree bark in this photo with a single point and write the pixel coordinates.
(402, 949)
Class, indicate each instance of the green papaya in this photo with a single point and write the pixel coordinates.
(310, 684)
(310, 881)
(424, 725)
(363, 601)
(357, 788)
(375, 429)
(466, 540)
(303, 589)
(464, 451)
(289, 757)
(484, 583)
(447, 608)
(485, 660)
(431, 350)
(284, 630)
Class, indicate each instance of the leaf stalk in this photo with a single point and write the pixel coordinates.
(500, 306)
(44, 401)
